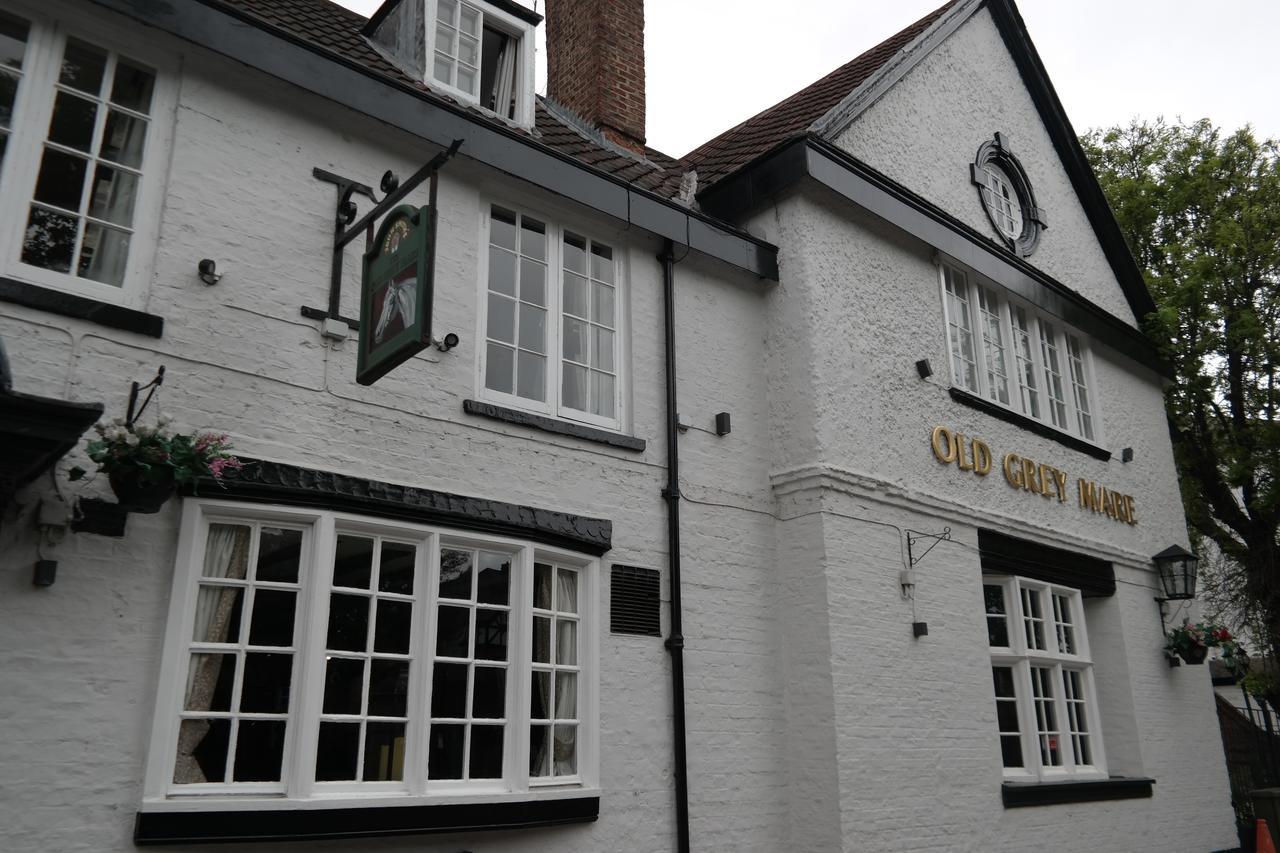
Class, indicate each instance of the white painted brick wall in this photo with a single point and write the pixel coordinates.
(815, 721)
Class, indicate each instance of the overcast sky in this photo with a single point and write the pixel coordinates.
(713, 63)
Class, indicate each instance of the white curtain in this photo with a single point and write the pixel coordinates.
(226, 555)
(504, 86)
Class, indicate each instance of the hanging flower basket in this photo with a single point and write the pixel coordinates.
(1192, 642)
(136, 492)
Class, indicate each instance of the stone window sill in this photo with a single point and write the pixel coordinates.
(541, 422)
(973, 401)
(1019, 794)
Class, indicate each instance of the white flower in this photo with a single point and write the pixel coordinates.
(164, 420)
(131, 439)
(142, 430)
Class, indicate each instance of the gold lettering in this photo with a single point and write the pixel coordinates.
(1130, 516)
(961, 462)
(944, 445)
(981, 458)
(1046, 478)
(1060, 481)
(1013, 469)
(1029, 476)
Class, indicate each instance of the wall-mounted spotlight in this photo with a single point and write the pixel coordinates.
(1126, 455)
(449, 342)
(209, 272)
(924, 368)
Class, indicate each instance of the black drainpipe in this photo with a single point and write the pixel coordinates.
(675, 642)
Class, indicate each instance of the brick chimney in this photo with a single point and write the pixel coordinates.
(595, 65)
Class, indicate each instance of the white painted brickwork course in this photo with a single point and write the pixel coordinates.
(816, 722)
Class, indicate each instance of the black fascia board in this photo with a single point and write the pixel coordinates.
(515, 10)
(1094, 201)
(814, 158)
(215, 26)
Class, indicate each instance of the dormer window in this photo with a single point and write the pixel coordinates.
(478, 52)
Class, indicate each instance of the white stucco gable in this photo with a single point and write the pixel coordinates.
(924, 129)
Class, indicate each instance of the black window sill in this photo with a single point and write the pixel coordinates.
(1019, 794)
(586, 433)
(973, 401)
(367, 822)
(80, 307)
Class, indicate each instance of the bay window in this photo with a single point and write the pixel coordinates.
(80, 155)
(323, 655)
(551, 320)
(1008, 353)
(1042, 675)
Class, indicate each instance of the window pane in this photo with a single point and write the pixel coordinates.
(502, 229)
(539, 751)
(533, 328)
(489, 693)
(1033, 618)
(445, 753)
(348, 623)
(577, 382)
(997, 619)
(202, 751)
(565, 750)
(209, 682)
(469, 22)
(395, 574)
(272, 623)
(576, 295)
(388, 688)
(218, 614)
(502, 318)
(566, 641)
(993, 346)
(533, 239)
(132, 86)
(602, 305)
(259, 750)
(1025, 361)
(391, 634)
(567, 591)
(443, 69)
(467, 80)
(453, 631)
(494, 579)
(384, 752)
(602, 263)
(49, 240)
(566, 695)
(353, 561)
(533, 281)
(61, 179)
(337, 750)
(959, 330)
(279, 552)
(576, 334)
(266, 684)
(455, 574)
(602, 394)
(531, 376)
(1053, 375)
(541, 639)
(83, 66)
(123, 139)
(13, 38)
(601, 348)
(486, 753)
(499, 368)
(575, 254)
(468, 50)
(449, 690)
(542, 586)
(502, 274)
(491, 635)
(112, 195)
(103, 254)
(72, 121)
(8, 94)
(540, 699)
(343, 685)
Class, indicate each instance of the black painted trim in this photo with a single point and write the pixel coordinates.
(277, 482)
(80, 307)
(982, 404)
(519, 418)
(217, 26)
(833, 168)
(1005, 554)
(1014, 32)
(152, 828)
(1020, 794)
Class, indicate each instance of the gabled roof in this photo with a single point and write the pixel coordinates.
(792, 117)
(327, 25)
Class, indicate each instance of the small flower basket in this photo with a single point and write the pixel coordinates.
(145, 464)
(1192, 642)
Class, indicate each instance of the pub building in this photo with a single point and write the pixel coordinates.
(799, 493)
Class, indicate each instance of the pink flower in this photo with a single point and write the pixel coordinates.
(218, 466)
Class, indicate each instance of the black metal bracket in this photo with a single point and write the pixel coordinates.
(914, 536)
(346, 227)
(131, 417)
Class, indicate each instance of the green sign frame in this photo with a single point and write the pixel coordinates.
(396, 292)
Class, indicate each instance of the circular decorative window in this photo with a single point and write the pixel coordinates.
(1006, 196)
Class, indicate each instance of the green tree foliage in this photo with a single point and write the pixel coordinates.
(1201, 212)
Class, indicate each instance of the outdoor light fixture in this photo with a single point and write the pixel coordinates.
(1177, 567)
(208, 270)
(924, 368)
(449, 342)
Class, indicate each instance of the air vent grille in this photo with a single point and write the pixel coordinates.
(635, 602)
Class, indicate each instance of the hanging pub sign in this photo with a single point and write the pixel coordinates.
(396, 293)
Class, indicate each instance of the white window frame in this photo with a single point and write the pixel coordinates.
(519, 30)
(298, 785)
(32, 111)
(1021, 659)
(1036, 320)
(552, 406)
